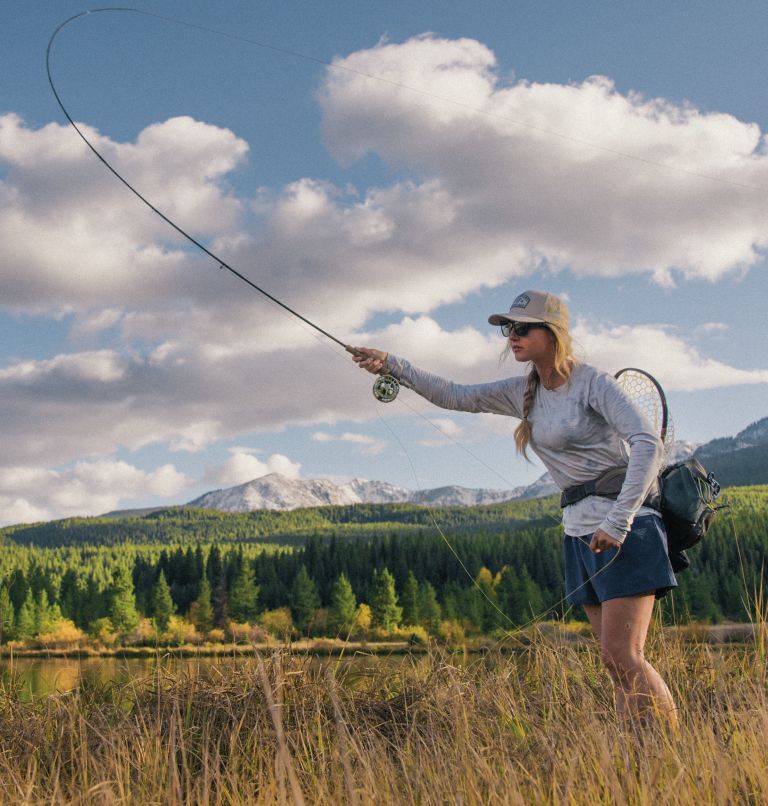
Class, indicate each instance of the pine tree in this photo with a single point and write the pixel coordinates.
(343, 610)
(122, 605)
(25, 618)
(7, 615)
(162, 604)
(244, 594)
(203, 608)
(304, 599)
(385, 612)
(409, 600)
(429, 608)
(219, 600)
(44, 614)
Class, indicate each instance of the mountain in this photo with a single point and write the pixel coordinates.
(738, 460)
(276, 491)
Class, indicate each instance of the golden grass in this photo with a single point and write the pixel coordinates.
(534, 725)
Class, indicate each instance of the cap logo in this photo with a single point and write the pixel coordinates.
(522, 301)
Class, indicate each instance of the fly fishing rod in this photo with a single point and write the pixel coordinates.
(385, 388)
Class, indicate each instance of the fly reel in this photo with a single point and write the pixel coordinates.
(385, 388)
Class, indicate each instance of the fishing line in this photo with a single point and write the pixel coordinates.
(517, 627)
(222, 263)
(286, 308)
(424, 93)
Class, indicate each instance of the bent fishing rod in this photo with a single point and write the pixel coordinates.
(385, 388)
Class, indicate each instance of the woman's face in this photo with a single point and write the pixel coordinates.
(538, 344)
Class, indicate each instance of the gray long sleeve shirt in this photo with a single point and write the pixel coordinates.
(581, 429)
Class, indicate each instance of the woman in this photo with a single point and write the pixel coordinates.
(579, 422)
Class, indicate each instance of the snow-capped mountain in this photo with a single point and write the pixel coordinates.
(276, 491)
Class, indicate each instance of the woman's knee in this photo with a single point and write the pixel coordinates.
(621, 659)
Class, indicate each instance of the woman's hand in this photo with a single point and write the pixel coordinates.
(602, 540)
(375, 361)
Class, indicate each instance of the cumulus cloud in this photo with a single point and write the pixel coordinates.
(242, 467)
(32, 493)
(489, 190)
(364, 442)
(57, 409)
(673, 361)
(547, 167)
(446, 432)
(72, 237)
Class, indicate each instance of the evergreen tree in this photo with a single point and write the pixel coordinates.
(343, 610)
(409, 600)
(203, 609)
(219, 600)
(7, 615)
(45, 613)
(25, 618)
(162, 603)
(304, 599)
(122, 605)
(488, 616)
(244, 594)
(429, 608)
(385, 612)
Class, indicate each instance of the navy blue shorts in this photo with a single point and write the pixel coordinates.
(641, 567)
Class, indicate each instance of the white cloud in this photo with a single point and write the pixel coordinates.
(545, 167)
(242, 467)
(446, 432)
(365, 443)
(30, 493)
(58, 409)
(487, 197)
(674, 362)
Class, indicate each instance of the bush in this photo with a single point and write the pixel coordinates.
(216, 636)
(61, 633)
(363, 620)
(102, 631)
(180, 631)
(278, 622)
(245, 633)
(451, 631)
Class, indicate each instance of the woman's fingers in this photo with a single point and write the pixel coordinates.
(601, 541)
(369, 359)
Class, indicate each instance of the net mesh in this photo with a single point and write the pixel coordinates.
(643, 392)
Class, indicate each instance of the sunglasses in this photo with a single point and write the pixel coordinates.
(520, 328)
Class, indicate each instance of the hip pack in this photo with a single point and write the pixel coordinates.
(684, 494)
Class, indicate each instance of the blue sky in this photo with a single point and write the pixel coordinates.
(610, 152)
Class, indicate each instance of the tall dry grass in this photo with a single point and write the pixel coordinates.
(532, 725)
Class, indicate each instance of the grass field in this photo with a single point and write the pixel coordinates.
(530, 722)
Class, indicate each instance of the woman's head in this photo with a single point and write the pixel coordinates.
(536, 327)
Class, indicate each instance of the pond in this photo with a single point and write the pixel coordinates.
(33, 677)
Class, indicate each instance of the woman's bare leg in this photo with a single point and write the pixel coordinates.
(621, 626)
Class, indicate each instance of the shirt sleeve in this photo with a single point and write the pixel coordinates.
(499, 397)
(609, 400)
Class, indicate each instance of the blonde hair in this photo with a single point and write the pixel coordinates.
(563, 366)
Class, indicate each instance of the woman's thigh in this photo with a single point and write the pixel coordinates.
(624, 623)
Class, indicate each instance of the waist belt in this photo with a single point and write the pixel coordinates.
(608, 485)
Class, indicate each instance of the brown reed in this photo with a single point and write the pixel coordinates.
(533, 725)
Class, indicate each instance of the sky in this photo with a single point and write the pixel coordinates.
(394, 171)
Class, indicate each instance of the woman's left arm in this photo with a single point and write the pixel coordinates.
(646, 451)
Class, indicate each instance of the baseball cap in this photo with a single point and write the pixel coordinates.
(534, 306)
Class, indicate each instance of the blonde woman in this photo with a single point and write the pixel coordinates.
(603, 454)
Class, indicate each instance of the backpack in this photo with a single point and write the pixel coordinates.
(688, 494)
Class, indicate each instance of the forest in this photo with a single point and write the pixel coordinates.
(193, 576)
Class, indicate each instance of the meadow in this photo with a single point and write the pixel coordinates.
(530, 720)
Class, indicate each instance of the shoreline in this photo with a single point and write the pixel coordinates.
(716, 634)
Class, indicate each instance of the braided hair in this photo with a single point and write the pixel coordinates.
(563, 366)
